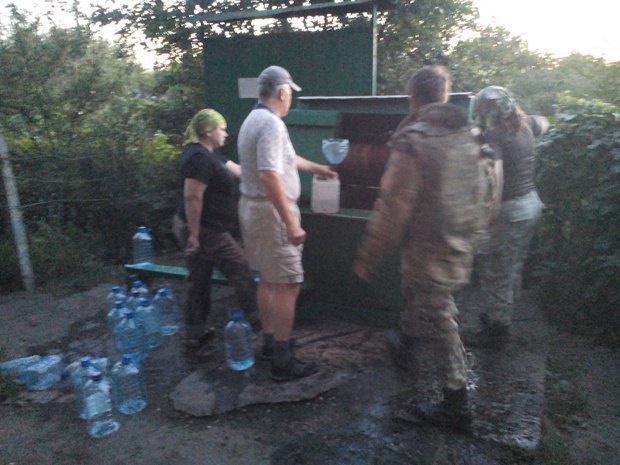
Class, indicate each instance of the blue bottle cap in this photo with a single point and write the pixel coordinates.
(235, 314)
(85, 361)
(96, 376)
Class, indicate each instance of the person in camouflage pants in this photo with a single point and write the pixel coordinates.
(431, 205)
(511, 134)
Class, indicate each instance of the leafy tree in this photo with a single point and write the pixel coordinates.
(79, 125)
(416, 33)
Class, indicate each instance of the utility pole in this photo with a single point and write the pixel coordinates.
(15, 212)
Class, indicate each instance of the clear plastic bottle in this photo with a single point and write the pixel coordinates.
(134, 299)
(148, 316)
(116, 315)
(116, 293)
(143, 247)
(79, 377)
(139, 286)
(98, 404)
(130, 336)
(238, 341)
(128, 382)
(17, 368)
(45, 373)
(167, 306)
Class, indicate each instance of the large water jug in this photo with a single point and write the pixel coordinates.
(143, 247)
(325, 195)
(98, 404)
(148, 316)
(129, 389)
(168, 311)
(238, 341)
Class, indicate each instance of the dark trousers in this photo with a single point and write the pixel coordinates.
(221, 251)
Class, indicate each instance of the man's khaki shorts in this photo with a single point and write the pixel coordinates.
(266, 242)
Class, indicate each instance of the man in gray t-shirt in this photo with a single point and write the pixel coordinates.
(270, 219)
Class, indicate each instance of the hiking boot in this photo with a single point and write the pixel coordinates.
(401, 349)
(453, 412)
(294, 369)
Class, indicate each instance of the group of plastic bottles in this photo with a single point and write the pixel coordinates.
(99, 393)
(128, 313)
(139, 323)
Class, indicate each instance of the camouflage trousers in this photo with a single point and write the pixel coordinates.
(430, 319)
(501, 259)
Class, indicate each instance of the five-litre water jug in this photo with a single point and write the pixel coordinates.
(44, 374)
(99, 408)
(130, 336)
(143, 247)
(238, 341)
(116, 315)
(168, 311)
(129, 389)
(325, 195)
(116, 293)
(79, 377)
(148, 316)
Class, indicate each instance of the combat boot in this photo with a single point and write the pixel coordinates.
(452, 412)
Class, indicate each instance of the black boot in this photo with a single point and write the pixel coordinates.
(452, 412)
(286, 367)
(401, 349)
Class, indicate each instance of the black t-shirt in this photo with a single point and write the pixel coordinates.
(219, 207)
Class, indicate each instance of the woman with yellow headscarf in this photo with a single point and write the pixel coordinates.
(206, 222)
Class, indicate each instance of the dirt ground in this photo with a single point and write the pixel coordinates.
(339, 427)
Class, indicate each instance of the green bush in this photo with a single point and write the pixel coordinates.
(576, 256)
(62, 256)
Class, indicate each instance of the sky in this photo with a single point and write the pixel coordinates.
(558, 27)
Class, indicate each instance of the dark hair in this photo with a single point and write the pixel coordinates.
(429, 84)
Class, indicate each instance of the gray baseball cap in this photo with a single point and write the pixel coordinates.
(276, 76)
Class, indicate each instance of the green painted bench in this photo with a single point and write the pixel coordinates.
(149, 271)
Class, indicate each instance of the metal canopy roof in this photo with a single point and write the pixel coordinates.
(351, 6)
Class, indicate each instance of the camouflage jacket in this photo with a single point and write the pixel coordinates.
(430, 202)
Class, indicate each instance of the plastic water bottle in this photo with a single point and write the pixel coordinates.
(137, 291)
(116, 294)
(43, 374)
(130, 336)
(116, 315)
(98, 404)
(148, 316)
(143, 246)
(133, 301)
(128, 382)
(165, 302)
(141, 288)
(16, 368)
(79, 377)
(238, 341)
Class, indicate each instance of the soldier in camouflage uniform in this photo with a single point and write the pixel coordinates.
(511, 134)
(430, 205)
